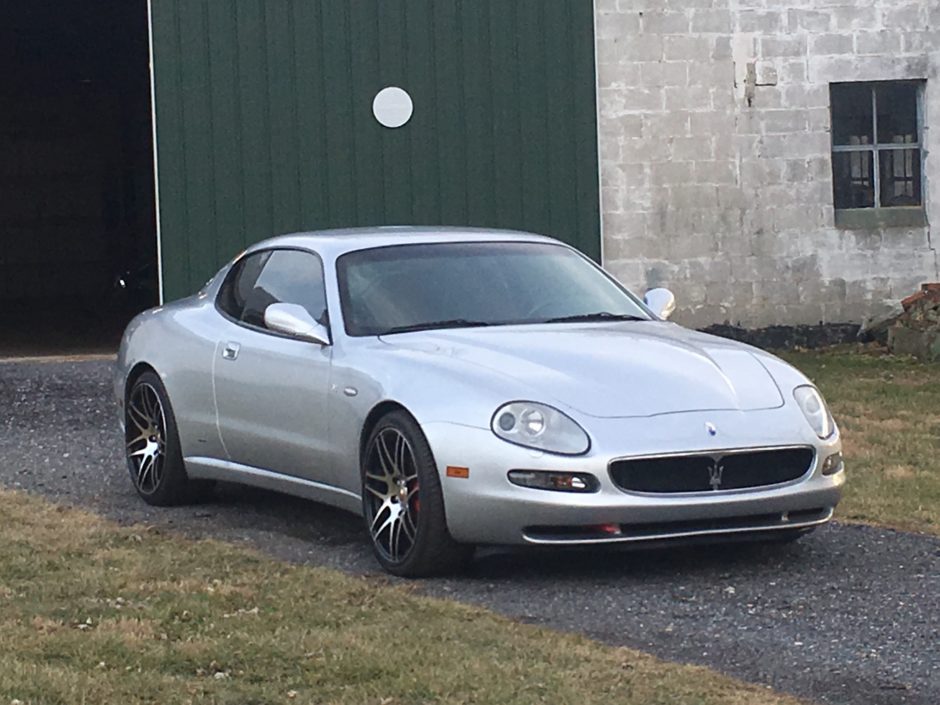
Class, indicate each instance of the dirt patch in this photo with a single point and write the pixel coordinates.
(900, 472)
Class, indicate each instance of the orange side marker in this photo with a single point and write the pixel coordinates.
(453, 471)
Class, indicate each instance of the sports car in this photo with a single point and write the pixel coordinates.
(466, 387)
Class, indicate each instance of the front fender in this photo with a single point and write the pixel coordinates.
(432, 388)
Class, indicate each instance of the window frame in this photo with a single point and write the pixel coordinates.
(259, 329)
(880, 213)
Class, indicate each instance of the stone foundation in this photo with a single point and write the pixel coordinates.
(917, 331)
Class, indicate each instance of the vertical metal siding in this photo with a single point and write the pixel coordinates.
(264, 120)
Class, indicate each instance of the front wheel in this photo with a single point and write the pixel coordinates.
(403, 503)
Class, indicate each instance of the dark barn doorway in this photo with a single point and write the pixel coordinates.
(77, 226)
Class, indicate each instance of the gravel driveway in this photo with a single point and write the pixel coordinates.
(848, 615)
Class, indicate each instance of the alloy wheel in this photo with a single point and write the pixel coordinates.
(392, 494)
(145, 437)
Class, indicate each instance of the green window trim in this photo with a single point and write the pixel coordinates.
(881, 218)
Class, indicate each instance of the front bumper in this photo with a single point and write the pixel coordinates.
(485, 508)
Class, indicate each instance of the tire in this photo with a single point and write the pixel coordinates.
(403, 504)
(152, 447)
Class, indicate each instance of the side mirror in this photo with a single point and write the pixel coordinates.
(294, 320)
(662, 302)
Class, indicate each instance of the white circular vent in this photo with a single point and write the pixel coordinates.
(392, 106)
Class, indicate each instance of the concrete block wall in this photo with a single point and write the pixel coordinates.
(718, 183)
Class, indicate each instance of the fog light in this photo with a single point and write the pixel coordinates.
(832, 464)
(557, 481)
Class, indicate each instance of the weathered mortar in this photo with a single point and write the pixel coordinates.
(720, 187)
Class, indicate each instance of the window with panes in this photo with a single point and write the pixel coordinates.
(877, 150)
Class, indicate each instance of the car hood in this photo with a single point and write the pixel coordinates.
(618, 369)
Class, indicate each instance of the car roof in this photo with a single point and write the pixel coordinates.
(342, 240)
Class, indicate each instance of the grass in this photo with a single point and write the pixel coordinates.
(888, 409)
(91, 612)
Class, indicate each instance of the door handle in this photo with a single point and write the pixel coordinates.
(230, 351)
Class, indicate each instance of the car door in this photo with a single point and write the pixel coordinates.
(271, 390)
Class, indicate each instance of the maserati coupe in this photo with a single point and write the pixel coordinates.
(466, 387)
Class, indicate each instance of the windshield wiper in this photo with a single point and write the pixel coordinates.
(431, 325)
(596, 316)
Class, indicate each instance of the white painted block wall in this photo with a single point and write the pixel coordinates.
(730, 204)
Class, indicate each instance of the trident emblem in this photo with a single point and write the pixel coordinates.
(715, 471)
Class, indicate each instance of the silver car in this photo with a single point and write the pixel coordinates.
(468, 387)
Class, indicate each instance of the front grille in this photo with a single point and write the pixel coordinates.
(726, 470)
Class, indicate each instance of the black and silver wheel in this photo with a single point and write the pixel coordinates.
(152, 446)
(403, 504)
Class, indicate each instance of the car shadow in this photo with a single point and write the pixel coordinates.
(636, 563)
(252, 509)
(272, 514)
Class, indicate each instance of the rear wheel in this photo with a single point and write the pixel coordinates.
(403, 503)
(152, 446)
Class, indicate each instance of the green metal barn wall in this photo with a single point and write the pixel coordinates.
(264, 120)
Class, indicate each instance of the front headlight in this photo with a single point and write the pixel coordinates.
(534, 425)
(815, 410)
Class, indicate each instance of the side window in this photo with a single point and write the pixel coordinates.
(288, 276)
(239, 283)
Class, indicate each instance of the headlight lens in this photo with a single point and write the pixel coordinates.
(539, 426)
(815, 410)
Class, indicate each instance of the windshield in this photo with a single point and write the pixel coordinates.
(459, 285)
